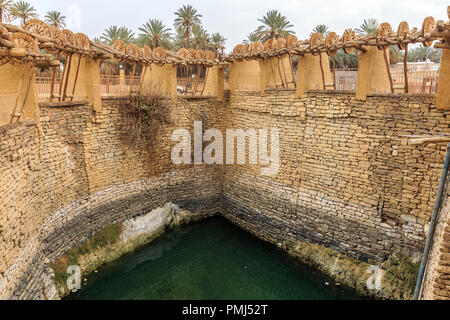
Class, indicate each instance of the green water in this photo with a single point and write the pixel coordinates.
(212, 259)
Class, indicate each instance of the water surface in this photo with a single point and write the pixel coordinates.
(212, 259)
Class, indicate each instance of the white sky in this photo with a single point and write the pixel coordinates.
(236, 18)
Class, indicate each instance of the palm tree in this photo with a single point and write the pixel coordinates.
(201, 37)
(252, 37)
(155, 34)
(110, 35)
(5, 7)
(320, 28)
(178, 39)
(422, 53)
(117, 33)
(395, 55)
(344, 60)
(126, 35)
(23, 10)
(369, 26)
(274, 26)
(218, 42)
(56, 19)
(187, 17)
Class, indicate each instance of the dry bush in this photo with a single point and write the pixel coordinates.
(144, 113)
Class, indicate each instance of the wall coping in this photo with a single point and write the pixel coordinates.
(9, 126)
(63, 104)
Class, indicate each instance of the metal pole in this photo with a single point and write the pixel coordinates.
(433, 222)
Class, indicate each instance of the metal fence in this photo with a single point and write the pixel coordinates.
(346, 79)
(419, 81)
(45, 88)
(116, 86)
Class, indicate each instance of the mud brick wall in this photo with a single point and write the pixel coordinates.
(347, 178)
(78, 171)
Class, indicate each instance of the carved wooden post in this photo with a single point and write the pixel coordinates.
(372, 73)
(86, 83)
(312, 74)
(24, 105)
(443, 90)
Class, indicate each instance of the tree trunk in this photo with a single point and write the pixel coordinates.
(187, 36)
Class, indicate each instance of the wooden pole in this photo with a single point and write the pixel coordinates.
(142, 78)
(273, 73)
(132, 78)
(333, 58)
(27, 93)
(206, 78)
(65, 77)
(52, 84)
(426, 140)
(283, 83)
(76, 78)
(19, 89)
(321, 70)
(388, 69)
(292, 70)
(405, 68)
(197, 77)
(189, 82)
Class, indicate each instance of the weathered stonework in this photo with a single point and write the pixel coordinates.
(437, 276)
(347, 180)
(82, 173)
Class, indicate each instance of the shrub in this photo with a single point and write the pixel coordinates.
(144, 112)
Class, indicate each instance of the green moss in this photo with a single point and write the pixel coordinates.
(401, 267)
(107, 236)
(397, 284)
(60, 265)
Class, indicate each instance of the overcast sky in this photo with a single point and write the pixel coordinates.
(236, 18)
